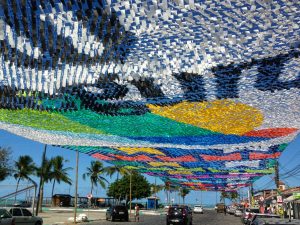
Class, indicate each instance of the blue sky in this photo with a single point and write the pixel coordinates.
(21, 146)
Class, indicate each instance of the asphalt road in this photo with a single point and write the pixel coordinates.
(210, 217)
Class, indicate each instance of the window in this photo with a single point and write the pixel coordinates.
(4, 214)
(175, 209)
(16, 212)
(26, 212)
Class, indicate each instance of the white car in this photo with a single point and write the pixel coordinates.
(238, 212)
(6, 218)
(198, 209)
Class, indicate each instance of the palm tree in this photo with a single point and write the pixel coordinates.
(45, 174)
(5, 165)
(24, 168)
(184, 192)
(167, 189)
(59, 173)
(94, 172)
(232, 196)
(111, 170)
(155, 188)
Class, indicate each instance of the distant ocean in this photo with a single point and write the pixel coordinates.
(205, 206)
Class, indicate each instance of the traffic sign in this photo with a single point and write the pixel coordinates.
(89, 196)
(279, 199)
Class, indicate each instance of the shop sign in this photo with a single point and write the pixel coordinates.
(296, 195)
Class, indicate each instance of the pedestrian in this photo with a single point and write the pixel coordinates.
(136, 213)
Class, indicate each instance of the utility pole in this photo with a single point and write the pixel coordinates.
(250, 196)
(155, 194)
(277, 174)
(201, 197)
(76, 186)
(130, 189)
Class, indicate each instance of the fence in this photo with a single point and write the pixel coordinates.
(24, 197)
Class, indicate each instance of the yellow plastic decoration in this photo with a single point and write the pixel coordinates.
(181, 172)
(157, 164)
(130, 150)
(223, 116)
(132, 167)
(159, 169)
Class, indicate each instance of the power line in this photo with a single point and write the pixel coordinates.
(294, 156)
(292, 172)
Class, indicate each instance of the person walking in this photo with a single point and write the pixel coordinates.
(136, 213)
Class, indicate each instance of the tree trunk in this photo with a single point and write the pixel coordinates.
(38, 198)
(41, 197)
(17, 189)
(92, 189)
(52, 193)
(119, 200)
(52, 188)
(167, 197)
(41, 187)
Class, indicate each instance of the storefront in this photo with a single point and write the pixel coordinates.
(292, 206)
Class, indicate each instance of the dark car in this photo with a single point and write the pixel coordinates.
(117, 212)
(179, 215)
(83, 205)
(220, 208)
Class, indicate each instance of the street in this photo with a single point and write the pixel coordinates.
(210, 217)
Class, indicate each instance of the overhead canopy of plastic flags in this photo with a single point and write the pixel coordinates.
(204, 94)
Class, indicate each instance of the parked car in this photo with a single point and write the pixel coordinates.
(248, 213)
(239, 211)
(198, 209)
(119, 212)
(82, 205)
(256, 216)
(6, 218)
(24, 216)
(227, 209)
(220, 207)
(179, 215)
(231, 210)
(275, 221)
(23, 204)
